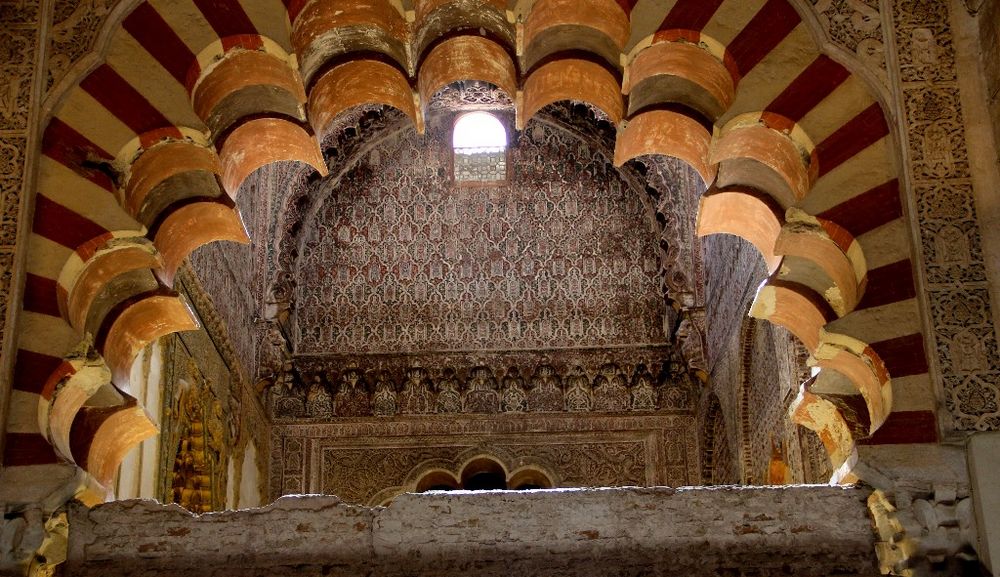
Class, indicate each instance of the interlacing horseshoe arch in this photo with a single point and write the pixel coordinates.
(142, 161)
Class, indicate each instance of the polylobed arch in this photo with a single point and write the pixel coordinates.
(836, 152)
(453, 475)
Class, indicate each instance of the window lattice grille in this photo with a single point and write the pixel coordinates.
(479, 166)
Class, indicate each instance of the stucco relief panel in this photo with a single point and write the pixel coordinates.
(856, 25)
(74, 29)
(367, 458)
(20, 27)
(400, 259)
(19, 11)
(949, 229)
(937, 138)
(17, 57)
(6, 275)
(924, 41)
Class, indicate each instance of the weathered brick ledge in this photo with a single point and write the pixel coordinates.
(760, 531)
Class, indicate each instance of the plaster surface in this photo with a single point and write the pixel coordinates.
(799, 530)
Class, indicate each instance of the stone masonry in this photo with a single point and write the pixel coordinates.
(800, 530)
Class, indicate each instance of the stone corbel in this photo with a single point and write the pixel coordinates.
(30, 544)
(690, 337)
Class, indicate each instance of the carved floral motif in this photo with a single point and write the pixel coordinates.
(421, 391)
(371, 460)
(954, 269)
(401, 259)
(856, 25)
(75, 26)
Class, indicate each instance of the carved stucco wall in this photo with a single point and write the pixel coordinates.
(856, 26)
(368, 461)
(989, 45)
(954, 268)
(204, 383)
(733, 270)
(400, 259)
(238, 270)
(551, 279)
(768, 383)
(21, 30)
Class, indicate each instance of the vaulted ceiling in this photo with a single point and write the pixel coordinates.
(197, 103)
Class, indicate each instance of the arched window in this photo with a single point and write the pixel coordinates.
(484, 473)
(479, 142)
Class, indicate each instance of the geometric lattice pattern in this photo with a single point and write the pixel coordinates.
(471, 166)
(399, 259)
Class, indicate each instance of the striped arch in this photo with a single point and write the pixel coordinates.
(156, 174)
(832, 249)
(600, 27)
(106, 435)
(751, 152)
(667, 133)
(325, 31)
(359, 83)
(90, 269)
(572, 79)
(124, 196)
(173, 188)
(689, 71)
(82, 376)
(249, 78)
(466, 58)
(159, 136)
(435, 20)
(794, 307)
(264, 141)
(745, 212)
(826, 420)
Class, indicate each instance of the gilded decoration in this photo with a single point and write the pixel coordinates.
(197, 482)
(211, 413)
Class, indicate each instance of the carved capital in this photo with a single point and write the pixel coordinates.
(917, 537)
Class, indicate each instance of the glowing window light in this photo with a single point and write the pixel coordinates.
(479, 132)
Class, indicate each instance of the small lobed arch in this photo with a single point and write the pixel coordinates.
(325, 31)
(690, 70)
(667, 133)
(480, 471)
(244, 76)
(572, 79)
(360, 83)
